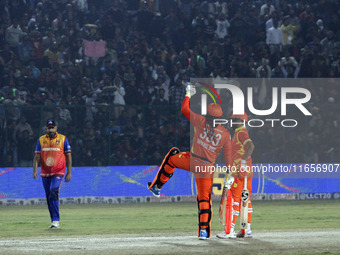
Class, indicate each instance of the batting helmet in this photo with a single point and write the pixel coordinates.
(214, 110)
(239, 116)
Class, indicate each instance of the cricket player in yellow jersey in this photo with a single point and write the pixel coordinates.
(54, 152)
(207, 144)
(242, 148)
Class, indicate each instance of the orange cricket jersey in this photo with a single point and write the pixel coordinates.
(238, 147)
(52, 152)
(202, 145)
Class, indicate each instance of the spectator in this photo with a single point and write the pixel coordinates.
(37, 42)
(22, 90)
(198, 21)
(131, 92)
(6, 55)
(112, 128)
(288, 31)
(53, 54)
(271, 18)
(143, 96)
(320, 25)
(160, 100)
(238, 26)
(289, 66)
(144, 17)
(126, 150)
(177, 92)
(209, 27)
(14, 34)
(82, 5)
(274, 37)
(264, 70)
(118, 96)
(20, 127)
(222, 26)
(24, 48)
(267, 9)
(328, 43)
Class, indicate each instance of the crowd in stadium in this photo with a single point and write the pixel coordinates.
(144, 54)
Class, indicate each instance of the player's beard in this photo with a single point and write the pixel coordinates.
(51, 134)
(209, 120)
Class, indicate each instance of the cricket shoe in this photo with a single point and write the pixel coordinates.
(248, 234)
(155, 191)
(224, 235)
(203, 234)
(55, 224)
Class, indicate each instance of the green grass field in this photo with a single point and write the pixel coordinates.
(99, 219)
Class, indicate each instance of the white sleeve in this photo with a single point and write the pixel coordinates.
(122, 91)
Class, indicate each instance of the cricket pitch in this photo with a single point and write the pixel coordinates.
(300, 242)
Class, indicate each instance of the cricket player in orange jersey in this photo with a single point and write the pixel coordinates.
(242, 148)
(207, 143)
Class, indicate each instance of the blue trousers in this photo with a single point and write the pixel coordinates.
(52, 187)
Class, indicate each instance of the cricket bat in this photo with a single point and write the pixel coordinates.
(244, 205)
(223, 205)
(226, 208)
(229, 213)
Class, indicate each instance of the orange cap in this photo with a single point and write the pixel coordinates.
(214, 110)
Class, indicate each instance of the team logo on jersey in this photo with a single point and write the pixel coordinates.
(57, 142)
(50, 161)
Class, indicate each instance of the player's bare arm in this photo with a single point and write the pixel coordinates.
(249, 149)
(36, 161)
(69, 166)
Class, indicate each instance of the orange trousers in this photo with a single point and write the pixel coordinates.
(236, 190)
(204, 182)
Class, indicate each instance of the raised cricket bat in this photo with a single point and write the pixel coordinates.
(244, 205)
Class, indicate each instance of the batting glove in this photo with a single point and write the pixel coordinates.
(190, 90)
(228, 182)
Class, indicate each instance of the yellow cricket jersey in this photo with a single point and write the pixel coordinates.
(52, 152)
